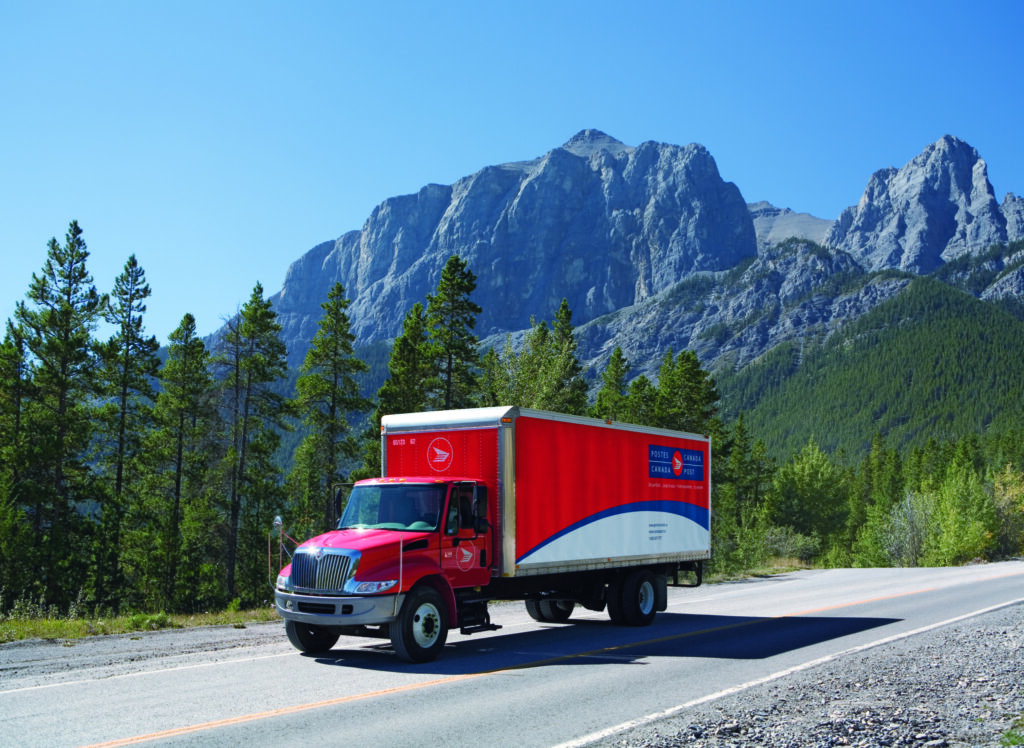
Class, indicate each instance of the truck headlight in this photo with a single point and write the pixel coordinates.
(284, 582)
(371, 588)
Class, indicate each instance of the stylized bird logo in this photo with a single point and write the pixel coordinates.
(439, 454)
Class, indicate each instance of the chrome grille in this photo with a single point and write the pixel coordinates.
(326, 574)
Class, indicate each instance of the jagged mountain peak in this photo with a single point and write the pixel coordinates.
(938, 206)
(590, 141)
(951, 144)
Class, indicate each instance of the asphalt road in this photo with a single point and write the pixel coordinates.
(529, 684)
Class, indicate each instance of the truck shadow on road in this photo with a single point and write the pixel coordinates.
(594, 642)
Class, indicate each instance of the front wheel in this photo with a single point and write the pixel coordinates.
(306, 637)
(421, 629)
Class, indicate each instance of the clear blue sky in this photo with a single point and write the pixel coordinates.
(218, 141)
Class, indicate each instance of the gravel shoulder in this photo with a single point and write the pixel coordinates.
(959, 685)
(37, 662)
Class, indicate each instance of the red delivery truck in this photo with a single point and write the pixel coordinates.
(503, 503)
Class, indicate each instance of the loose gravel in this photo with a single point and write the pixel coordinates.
(36, 662)
(959, 685)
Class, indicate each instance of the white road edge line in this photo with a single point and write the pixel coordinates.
(623, 727)
(145, 672)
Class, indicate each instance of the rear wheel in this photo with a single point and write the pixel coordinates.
(421, 629)
(615, 609)
(550, 611)
(306, 637)
(639, 598)
(556, 611)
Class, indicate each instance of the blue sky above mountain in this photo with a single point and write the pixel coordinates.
(218, 143)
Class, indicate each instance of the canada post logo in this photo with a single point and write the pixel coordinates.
(439, 454)
(674, 463)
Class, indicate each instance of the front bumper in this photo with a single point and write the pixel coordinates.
(337, 611)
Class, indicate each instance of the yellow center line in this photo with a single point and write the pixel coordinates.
(187, 729)
(283, 711)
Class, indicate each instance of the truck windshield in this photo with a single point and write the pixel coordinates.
(406, 506)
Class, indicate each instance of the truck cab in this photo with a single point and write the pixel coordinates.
(396, 537)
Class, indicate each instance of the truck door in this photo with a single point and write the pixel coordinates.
(465, 553)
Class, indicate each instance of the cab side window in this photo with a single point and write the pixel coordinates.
(465, 511)
(460, 510)
(451, 521)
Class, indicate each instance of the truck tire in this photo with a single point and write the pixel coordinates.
(639, 598)
(556, 611)
(421, 629)
(550, 611)
(615, 609)
(533, 608)
(306, 637)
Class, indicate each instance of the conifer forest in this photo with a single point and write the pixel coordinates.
(135, 478)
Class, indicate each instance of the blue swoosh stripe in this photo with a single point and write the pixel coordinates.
(692, 512)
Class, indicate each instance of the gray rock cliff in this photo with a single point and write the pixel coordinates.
(597, 222)
(937, 207)
(1013, 211)
(774, 225)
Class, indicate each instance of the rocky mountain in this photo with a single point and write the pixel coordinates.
(774, 225)
(594, 221)
(653, 249)
(938, 207)
(1013, 211)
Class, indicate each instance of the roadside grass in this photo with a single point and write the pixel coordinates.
(33, 621)
(771, 567)
(1015, 735)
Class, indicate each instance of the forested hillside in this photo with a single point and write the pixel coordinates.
(932, 363)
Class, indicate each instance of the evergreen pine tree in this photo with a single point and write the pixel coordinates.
(687, 396)
(451, 317)
(641, 402)
(252, 358)
(544, 373)
(748, 471)
(567, 389)
(410, 368)
(15, 387)
(520, 377)
(58, 326)
(611, 398)
(809, 494)
(14, 397)
(170, 533)
(129, 362)
(327, 392)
